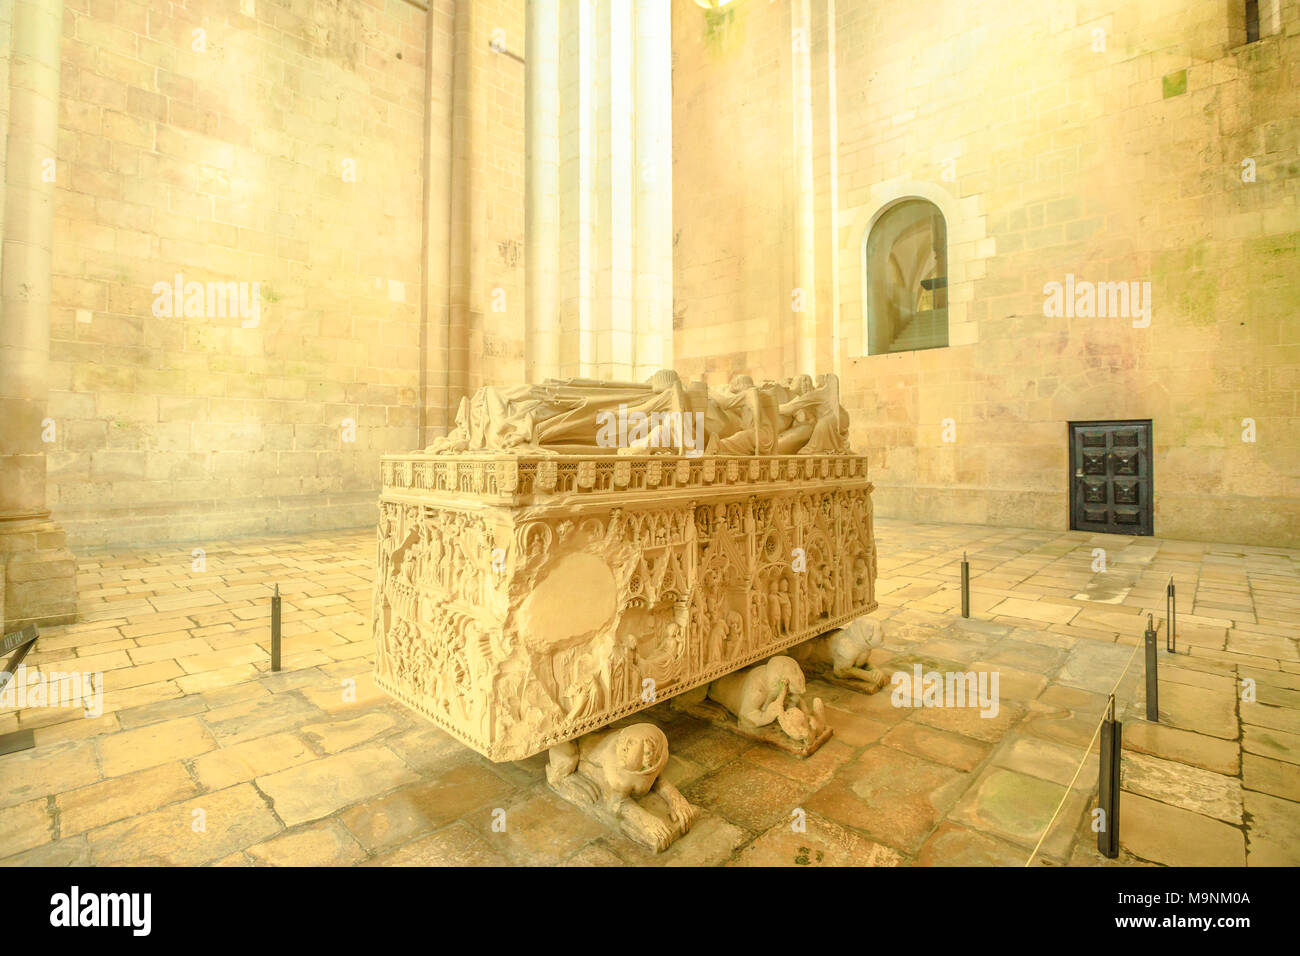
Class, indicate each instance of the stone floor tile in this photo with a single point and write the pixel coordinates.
(1277, 744)
(746, 795)
(818, 843)
(154, 744)
(199, 830)
(456, 845)
(42, 771)
(1169, 835)
(951, 750)
(413, 811)
(954, 845)
(1183, 746)
(1012, 806)
(1273, 838)
(1274, 777)
(249, 759)
(1201, 791)
(893, 797)
(25, 826)
(121, 797)
(326, 843)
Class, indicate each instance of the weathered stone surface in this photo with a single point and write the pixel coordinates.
(1286, 719)
(1274, 835)
(524, 600)
(457, 845)
(973, 721)
(121, 797)
(1277, 744)
(893, 797)
(409, 813)
(243, 761)
(154, 744)
(24, 826)
(1275, 777)
(1094, 666)
(259, 717)
(747, 795)
(1199, 750)
(814, 770)
(230, 820)
(1172, 836)
(954, 845)
(539, 830)
(342, 734)
(952, 750)
(821, 843)
(319, 788)
(1014, 806)
(325, 843)
(1199, 710)
(41, 771)
(711, 841)
(1202, 791)
(1046, 759)
(1065, 714)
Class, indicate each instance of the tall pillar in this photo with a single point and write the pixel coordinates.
(467, 205)
(833, 147)
(654, 188)
(610, 229)
(39, 570)
(805, 196)
(615, 184)
(542, 192)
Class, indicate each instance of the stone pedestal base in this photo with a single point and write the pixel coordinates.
(40, 574)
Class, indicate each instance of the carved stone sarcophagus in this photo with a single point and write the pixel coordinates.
(523, 600)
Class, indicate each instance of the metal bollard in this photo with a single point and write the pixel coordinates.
(1171, 613)
(965, 586)
(1112, 734)
(275, 629)
(1153, 684)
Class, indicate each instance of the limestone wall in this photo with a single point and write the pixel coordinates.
(1100, 139)
(238, 141)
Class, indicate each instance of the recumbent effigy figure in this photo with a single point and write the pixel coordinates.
(583, 416)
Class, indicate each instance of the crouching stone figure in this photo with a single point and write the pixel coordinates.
(609, 771)
(844, 655)
(773, 691)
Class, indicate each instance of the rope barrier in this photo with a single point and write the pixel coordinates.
(1087, 753)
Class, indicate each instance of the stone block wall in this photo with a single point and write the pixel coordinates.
(273, 145)
(1108, 141)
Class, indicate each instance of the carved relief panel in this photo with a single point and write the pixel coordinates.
(519, 625)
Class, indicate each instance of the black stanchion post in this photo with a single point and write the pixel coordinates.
(965, 586)
(275, 629)
(1153, 683)
(1171, 612)
(1112, 744)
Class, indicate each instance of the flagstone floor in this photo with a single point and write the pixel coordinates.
(202, 756)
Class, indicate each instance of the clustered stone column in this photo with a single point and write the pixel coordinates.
(39, 584)
(599, 189)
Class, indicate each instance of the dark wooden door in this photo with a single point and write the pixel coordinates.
(1110, 477)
